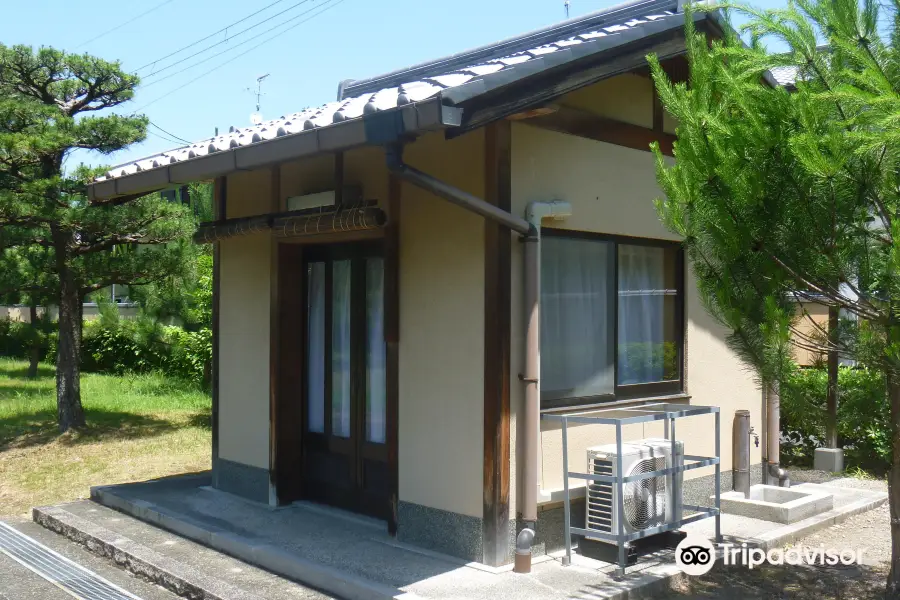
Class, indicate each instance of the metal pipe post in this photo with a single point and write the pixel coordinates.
(719, 480)
(567, 559)
(740, 452)
(676, 493)
(620, 500)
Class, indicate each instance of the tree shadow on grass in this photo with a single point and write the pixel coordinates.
(40, 427)
(203, 420)
(43, 372)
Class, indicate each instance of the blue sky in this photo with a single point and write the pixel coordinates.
(349, 39)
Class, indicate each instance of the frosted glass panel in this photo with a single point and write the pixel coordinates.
(375, 351)
(340, 349)
(315, 284)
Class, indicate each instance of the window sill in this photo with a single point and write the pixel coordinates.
(680, 398)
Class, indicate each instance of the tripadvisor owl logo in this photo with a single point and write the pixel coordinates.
(695, 555)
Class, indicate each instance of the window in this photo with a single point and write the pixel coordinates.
(611, 318)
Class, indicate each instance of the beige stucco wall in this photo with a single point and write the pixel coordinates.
(244, 333)
(627, 97)
(442, 332)
(611, 189)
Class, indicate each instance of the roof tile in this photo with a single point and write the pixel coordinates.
(423, 87)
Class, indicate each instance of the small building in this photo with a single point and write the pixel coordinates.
(380, 261)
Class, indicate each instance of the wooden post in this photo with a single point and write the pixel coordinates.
(497, 301)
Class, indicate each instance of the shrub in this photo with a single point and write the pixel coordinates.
(121, 346)
(16, 337)
(863, 416)
(191, 354)
(113, 345)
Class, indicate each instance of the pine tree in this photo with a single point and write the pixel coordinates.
(784, 195)
(49, 106)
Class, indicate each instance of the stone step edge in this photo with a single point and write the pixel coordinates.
(140, 560)
(252, 551)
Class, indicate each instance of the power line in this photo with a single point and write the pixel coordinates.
(238, 45)
(214, 33)
(228, 38)
(119, 26)
(328, 5)
(162, 137)
(170, 134)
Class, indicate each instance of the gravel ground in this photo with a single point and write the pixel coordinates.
(869, 530)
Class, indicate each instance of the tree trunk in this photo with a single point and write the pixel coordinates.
(68, 353)
(893, 583)
(831, 401)
(34, 353)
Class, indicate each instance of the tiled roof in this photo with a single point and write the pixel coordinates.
(785, 76)
(456, 78)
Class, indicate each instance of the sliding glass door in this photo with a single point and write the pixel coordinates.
(345, 457)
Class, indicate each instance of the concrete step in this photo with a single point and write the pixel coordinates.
(170, 561)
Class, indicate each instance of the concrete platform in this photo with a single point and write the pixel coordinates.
(352, 557)
(777, 504)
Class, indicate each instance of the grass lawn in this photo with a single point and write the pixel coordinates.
(139, 427)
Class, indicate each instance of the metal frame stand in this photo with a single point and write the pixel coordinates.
(619, 417)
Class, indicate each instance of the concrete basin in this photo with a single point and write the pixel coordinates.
(776, 504)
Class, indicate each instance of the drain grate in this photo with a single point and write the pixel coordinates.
(57, 569)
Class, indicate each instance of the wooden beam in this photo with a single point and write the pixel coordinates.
(285, 350)
(288, 356)
(497, 301)
(392, 344)
(676, 67)
(584, 124)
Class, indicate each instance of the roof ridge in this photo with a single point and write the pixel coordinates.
(519, 43)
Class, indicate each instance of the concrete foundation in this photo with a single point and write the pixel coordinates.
(829, 459)
(777, 504)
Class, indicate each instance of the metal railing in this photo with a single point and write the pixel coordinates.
(620, 417)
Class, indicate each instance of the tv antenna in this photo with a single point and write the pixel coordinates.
(256, 117)
(566, 4)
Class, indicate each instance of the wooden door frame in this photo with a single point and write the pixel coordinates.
(289, 354)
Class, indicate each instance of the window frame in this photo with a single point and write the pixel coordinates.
(633, 391)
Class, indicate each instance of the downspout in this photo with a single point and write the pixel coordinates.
(535, 213)
(529, 228)
(773, 438)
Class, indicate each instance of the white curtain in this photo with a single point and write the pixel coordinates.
(315, 366)
(340, 348)
(375, 351)
(642, 298)
(576, 317)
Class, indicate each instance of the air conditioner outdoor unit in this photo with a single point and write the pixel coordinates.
(647, 502)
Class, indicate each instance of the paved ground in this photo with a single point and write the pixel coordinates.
(869, 530)
(19, 583)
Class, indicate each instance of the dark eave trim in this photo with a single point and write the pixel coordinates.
(551, 81)
(375, 129)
